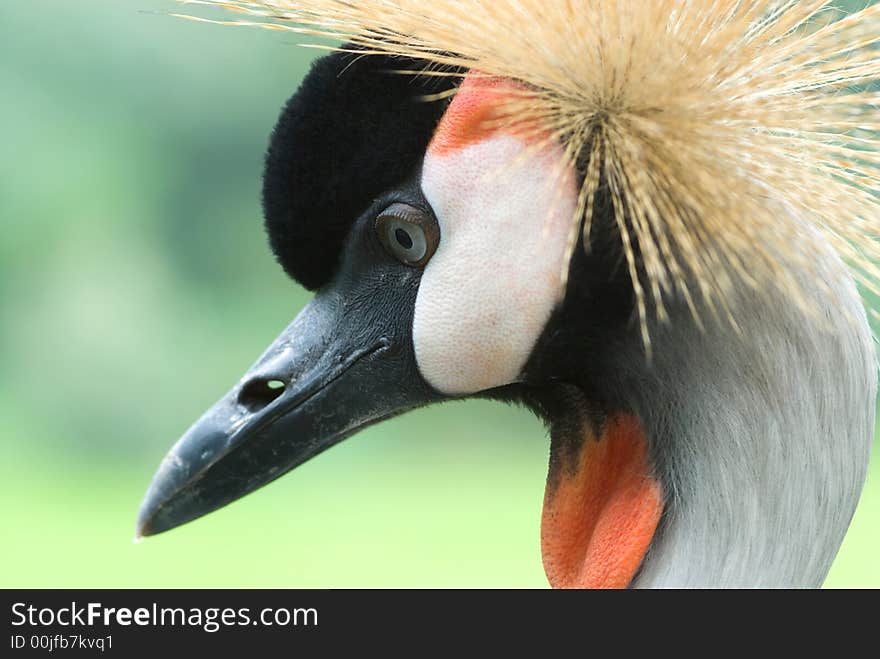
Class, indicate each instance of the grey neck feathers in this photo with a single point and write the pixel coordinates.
(761, 439)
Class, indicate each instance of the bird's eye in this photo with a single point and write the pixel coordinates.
(409, 234)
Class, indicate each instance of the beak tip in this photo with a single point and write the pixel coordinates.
(168, 484)
(156, 515)
(152, 516)
(144, 525)
(151, 522)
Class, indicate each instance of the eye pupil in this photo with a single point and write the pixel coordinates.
(403, 239)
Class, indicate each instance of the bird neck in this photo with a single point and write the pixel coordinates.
(739, 454)
(759, 438)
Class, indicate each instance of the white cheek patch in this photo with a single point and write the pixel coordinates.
(505, 214)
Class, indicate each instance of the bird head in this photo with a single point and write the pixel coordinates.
(434, 236)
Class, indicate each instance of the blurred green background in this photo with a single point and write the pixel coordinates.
(137, 288)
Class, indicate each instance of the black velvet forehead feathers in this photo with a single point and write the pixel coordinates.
(353, 129)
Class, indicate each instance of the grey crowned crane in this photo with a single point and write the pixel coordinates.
(644, 220)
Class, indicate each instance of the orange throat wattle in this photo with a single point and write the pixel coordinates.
(601, 508)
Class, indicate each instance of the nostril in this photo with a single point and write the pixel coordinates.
(257, 394)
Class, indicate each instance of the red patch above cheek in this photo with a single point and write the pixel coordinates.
(475, 114)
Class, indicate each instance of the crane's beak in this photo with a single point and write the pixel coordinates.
(337, 368)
